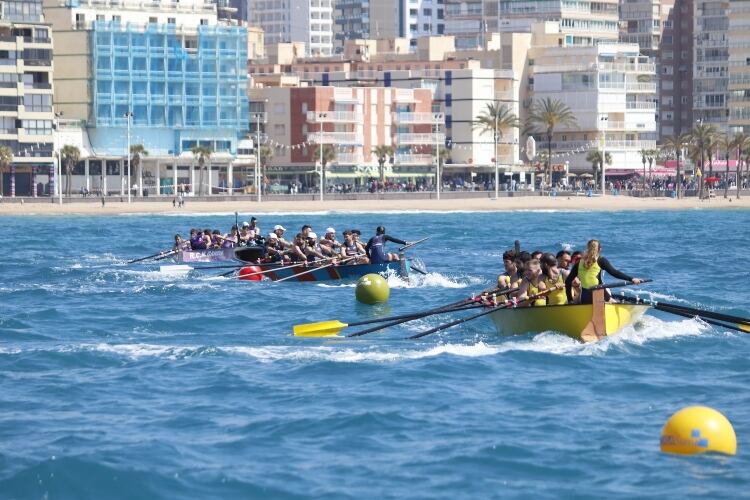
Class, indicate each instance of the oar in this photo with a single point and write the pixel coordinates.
(331, 328)
(739, 327)
(742, 324)
(247, 264)
(162, 257)
(427, 313)
(164, 253)
(409, 245)
(504, 305)
(316, 269)
(619, 284)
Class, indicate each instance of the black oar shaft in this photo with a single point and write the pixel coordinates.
(457, 322)
(692, 310)
(684, 314)
(158, 254)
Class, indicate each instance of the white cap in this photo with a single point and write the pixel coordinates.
(312, 235)
(279, 226)
(273, 236)
(246, 224)
(330, 230)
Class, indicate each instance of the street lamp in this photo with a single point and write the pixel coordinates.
(129, 117)
(603, 144)
(437, 118)
(258, 174)
(497, 167)
(321, 116)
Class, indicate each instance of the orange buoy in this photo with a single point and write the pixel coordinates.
(251, 273)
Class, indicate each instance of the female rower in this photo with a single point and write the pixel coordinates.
(196, 240)
(589, 271)
(532, 283)
(231, 239)
(553, 280)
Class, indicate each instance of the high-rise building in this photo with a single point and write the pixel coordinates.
(581, 23)
(711, 62)
(410, 19)
(233, 10)
(306, 21)
(739, 66)
(26, 115)
(171, 71)
(675, 71)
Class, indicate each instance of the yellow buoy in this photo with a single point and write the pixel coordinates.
(372, 289)
(698, 429)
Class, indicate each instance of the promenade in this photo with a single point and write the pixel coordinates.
(361, 202)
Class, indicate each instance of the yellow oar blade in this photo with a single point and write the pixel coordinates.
(319, 329)
(744, 328)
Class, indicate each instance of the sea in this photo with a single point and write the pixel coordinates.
(124, 381)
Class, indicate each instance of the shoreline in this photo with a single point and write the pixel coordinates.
(524, 203)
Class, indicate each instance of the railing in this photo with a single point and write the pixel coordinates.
(640, 105)
(427, 139)
(335, 138)
(409, 159)
(416, 118)
(641, 87)
(333, 116)
(353, 158)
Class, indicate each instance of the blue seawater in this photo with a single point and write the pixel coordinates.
(123, 382)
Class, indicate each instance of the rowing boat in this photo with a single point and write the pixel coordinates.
(587, 322)
(304, 273)
(244, 254)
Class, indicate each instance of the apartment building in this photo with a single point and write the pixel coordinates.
(580, 23)
(26, 114)
(739, 66)
(410, 19)
(287, 21)
(611, 90)
(711, 62)
(169, 73)
(353, 121)
(675, 71)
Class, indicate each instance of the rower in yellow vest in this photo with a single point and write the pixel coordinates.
(589, 272)
(533, 283)
(553, 280)
(512, 277)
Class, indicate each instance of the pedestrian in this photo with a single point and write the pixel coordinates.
(174, 202)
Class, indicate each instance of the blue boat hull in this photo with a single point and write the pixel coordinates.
(344, 272)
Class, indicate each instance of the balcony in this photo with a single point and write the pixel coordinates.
(420, 139)
(349, 158)
(334, 117)
(648, 87)
(641, 105)
(409, 159)
(348, 138)
(405, 118)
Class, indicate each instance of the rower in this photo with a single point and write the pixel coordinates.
(254, 226)
(274, 251)
(278, 230)
(563, 261)
(352, 248)
(216, 239)
(207, 237)
(553, 280)
(512, 277)
(312, 250)
(589, 271)
(246, 235)
(180, 244)
(375, 247)
(306, 230)
(532, 283)
(196, 240)
(329, 246)
(297, 251)
(230, 240)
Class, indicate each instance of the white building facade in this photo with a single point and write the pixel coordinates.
(285, 21)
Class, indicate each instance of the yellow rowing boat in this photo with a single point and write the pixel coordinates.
(586, 322)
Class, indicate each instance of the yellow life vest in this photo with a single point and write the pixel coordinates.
(531, 289)
(558, 297)
(589, 276)
(506, 281)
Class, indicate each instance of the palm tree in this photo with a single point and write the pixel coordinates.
(651, 155)
(644, 160)
(329, 156)
(69, 156)
(266, 153)
(494, 119)
(732, 143)
(383, 153)
(137, 152)
(546, 115)
(6, 160)
(595, 158)
(677, 143)
(203, 154)
(703, 136)
(741, 144)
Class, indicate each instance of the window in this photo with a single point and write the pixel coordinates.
(113, 167)
(37, 102)
(171, 20)
(684, 99)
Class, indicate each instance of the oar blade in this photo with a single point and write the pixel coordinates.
(319, 329)
(744, 328)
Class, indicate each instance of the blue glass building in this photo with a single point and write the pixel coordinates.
(184, 89)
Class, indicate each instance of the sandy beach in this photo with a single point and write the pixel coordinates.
(610, 203)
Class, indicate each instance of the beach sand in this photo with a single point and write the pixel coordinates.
(612, 203)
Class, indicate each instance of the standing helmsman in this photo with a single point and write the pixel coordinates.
(375, 247)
